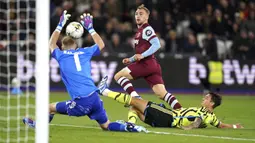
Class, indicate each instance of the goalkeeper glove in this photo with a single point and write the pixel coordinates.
(87, 22)
(64, 17)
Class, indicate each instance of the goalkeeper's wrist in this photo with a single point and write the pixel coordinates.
(91, 31)
(234, 126)
(59, 28)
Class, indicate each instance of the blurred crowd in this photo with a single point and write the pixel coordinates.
(17, 26)
(214, 29)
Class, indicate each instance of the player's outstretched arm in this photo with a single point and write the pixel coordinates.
(54, 37)
(87, 22)
(98, 40)
(231, 126)
(193, 125)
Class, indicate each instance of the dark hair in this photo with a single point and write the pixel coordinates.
(144, 8)
(216, 98)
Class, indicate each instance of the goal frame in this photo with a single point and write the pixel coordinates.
(42, 71)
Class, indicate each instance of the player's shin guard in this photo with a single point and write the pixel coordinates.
(132, 116)
(172, 101)
(127, 86)
(120, 97)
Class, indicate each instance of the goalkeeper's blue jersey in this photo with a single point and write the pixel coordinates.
(75, 69)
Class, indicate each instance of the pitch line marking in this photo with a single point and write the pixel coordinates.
(165, 133)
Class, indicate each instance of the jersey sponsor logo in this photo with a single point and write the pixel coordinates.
(148, 32)
(233, 72)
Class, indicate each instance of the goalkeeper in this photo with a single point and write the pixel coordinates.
(76, 74)
(157, 115)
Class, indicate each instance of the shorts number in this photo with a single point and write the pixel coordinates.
(77, 62)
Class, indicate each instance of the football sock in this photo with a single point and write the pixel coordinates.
(132, 116)
(172, 101)
(127, 86)
(120, 97)
(105, 92)
(115, 126)
(51, 117)
(123, 127)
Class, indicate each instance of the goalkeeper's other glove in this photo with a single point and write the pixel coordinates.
(64, 17)
(87, 22)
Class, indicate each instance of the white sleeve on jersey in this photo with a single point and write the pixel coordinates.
(148, 32)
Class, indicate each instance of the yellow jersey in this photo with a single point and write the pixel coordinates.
(186, 116)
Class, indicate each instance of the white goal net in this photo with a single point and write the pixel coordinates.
(18, 67)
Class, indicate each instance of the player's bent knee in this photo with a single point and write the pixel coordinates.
(117, 75)
(124, 72)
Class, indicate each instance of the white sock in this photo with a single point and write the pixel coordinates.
(105, 92)
(134, 94)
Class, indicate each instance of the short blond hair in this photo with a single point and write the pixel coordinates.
(144, 8)
(67, 42)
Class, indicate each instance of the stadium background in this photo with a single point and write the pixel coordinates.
(191, 33)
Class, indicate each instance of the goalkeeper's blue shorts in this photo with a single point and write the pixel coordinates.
(92, 106)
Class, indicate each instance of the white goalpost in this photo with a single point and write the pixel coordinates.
(24, 70)
(42, 70)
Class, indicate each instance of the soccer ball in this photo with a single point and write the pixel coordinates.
(74, 29)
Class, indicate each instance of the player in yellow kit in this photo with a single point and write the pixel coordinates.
(157, 115)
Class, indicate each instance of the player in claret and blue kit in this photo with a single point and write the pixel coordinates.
(144, 64)
(75, 71)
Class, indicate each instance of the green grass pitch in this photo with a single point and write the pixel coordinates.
(64, 129)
